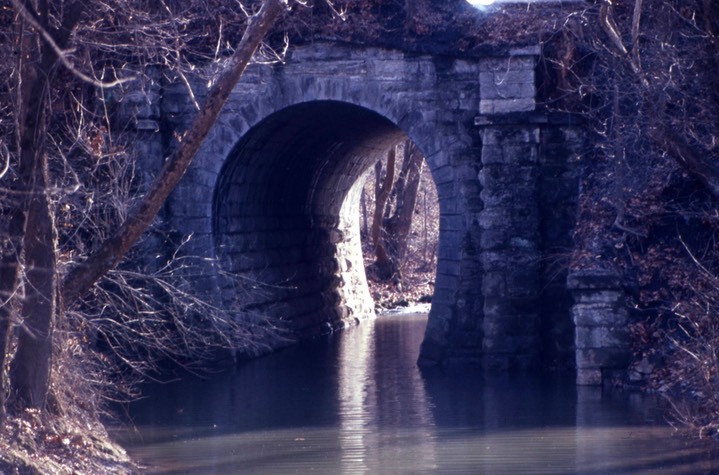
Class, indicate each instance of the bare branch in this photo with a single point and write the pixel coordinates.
(6, 153)
(62, 54)
(86, 274)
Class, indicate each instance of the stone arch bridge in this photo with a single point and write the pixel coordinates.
(274, 195)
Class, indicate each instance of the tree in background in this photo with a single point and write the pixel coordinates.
(393, 209)
(385, 266)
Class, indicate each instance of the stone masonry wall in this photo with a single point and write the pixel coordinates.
(510, 246)
(271, 195)
(529, 193)
(601, 336)
(431, 100)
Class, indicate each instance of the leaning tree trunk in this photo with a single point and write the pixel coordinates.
(80, 279)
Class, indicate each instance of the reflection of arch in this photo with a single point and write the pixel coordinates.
(286, 210)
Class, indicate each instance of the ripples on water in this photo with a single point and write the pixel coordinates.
(357, 403)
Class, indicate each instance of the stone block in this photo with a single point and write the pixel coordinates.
(497, 219)
(505, 106)
(507, 260)
(452, 222)
(594, 279)
(494, 283)
(597, 315)
(503, 135)
(492, 154)
(507, 77)
(523, 153)
(594, 358)
(532, 50)
(589, 377)
(602, 337)
(148, 125)
(498, 89)
(446, 190)
(495, 199)
(573, 135)
(460, 66)
(443, 175)
(402, 69)
(523, 282)
(604, 297)
(497, 307)
(498, 175)
(526, 244)
(512, 63)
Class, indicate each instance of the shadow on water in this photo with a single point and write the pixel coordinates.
(357, 403)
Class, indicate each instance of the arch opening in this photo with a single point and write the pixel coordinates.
(286, 208)
(399, 225)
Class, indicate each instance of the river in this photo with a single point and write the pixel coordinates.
(356, 403)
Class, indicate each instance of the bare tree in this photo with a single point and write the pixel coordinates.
(644, 74)
(395, 198)
(56, 42)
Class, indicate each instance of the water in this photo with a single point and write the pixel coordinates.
(357, 403)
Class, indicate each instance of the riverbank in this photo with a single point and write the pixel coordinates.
(32, 444)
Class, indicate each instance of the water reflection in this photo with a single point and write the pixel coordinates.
(355, 369)
(357, 403)
(385, 416)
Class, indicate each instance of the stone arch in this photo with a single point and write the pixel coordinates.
(506, 175)
(286, 209)
(433, 103)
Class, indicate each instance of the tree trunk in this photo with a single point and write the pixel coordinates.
(398, 226)
(363, 206)
(383, 265)
(32, 219)
(31, 232)
(81, 278)
(9, 275)
(30, 370)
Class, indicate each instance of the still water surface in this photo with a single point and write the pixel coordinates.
(357, 403)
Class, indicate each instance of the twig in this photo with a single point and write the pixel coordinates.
(62, 54)
(6, 153)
